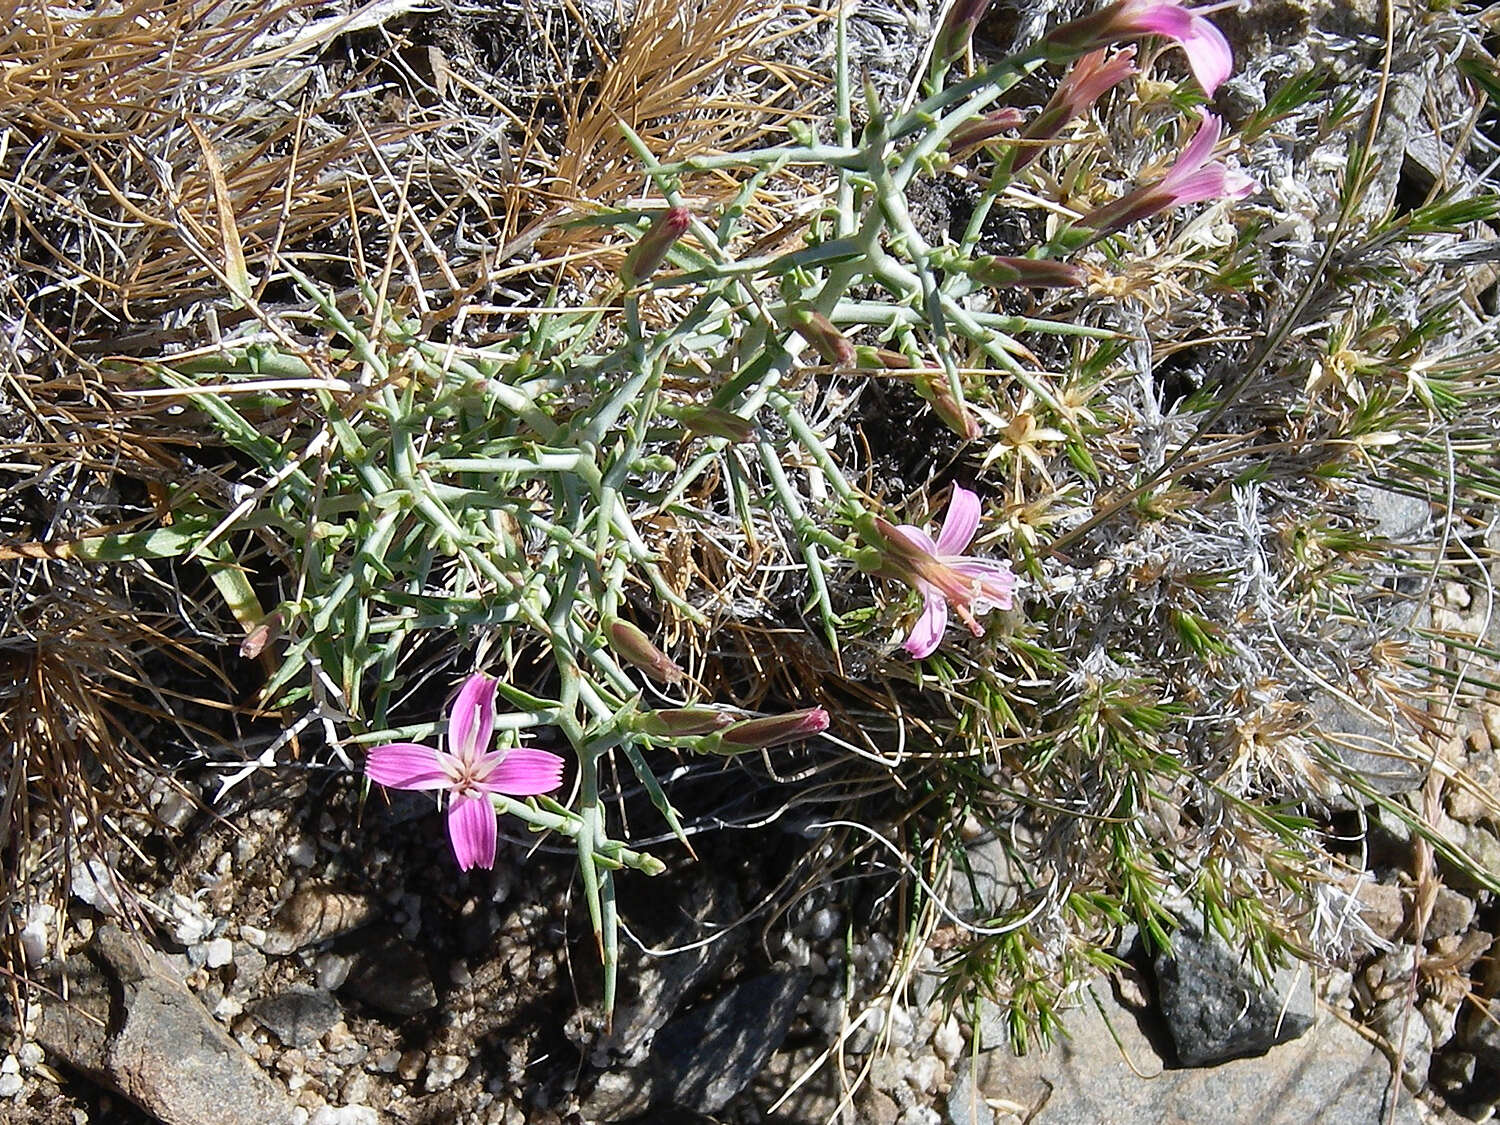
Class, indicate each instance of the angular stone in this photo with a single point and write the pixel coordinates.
(1217, 1009)
(1330, 1076)
(298, 1017)
(705, 1058)
(130, 1022)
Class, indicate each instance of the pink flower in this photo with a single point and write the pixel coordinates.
(1087, 80)
(945, 578)
(1195, 176)
(469, 772)
(1208, 53)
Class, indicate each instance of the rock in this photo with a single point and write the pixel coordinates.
(443, 1071)
(1330, 1076)
(94, 883)
(11, 1082)
(705, 1058)
(619, 1095)
(1481, 1034)
(878, 1108)
(218, 953)
(1452, 913)
(1382, 907)
(1397, 1020)
(298, 1017)
(390, 974)
(130, 1022)
(344, 1115)
(654, 988)
(315, 914)
(966, 1100)
(1216, 1009)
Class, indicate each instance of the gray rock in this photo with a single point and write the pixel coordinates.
(1398, 1021)
(619, 1095)
(1452, 913)
(391, 975)
(131, 1023)
(708, 1056)
(1216, 1009)
(298, 1017)
(654, 988)
(966, 1098)
(1109, 1071)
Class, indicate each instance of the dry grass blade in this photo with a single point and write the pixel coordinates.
(669, 83)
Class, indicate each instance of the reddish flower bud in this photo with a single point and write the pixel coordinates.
(971, 134)
(933, 387)
(825, 339)
(1032, 273)
(257, 639)
(710, 421)
(773, 730)
(868, 356)
(1088, 80)
(684, 722)
(958, 28)
(634, 647)
(651, 250)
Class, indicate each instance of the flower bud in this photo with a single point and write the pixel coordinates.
(825, 339)
(868, 356)
(635, 648)
(710, 421)
(958, 28)
(651, 250)
(933, 387)
(972, 134)
(773, 730)
(683, 722)
(1031, 273)
(257, 639)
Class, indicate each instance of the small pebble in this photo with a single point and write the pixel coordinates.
(219, 953)
(411, 1065)
(304, 853)
(443, 1071)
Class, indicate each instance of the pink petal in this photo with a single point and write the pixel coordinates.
(1195, 154)
(1209, 56)
(961, 522)
(1213, 182)
(471, 830)
(523, 772)
(928, 631)
(471, 722)
(916, 538)
(406, 765)
(1208, 53)
(996, 583)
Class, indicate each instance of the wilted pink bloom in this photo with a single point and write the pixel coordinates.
(468, 771)
(1088, 80)
(1208, 53)
(1195, 177)
(945, 578)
